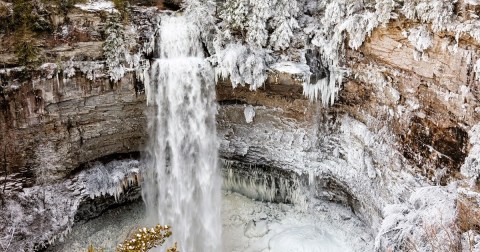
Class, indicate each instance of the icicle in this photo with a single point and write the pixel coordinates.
(325, 89)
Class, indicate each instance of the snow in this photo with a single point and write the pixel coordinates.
(249, 113)
(427, 221)
(471, 166)
(97, 5)
(304, 239)
(476, 68)
(248, 226)
(290, 67)
(420, 37)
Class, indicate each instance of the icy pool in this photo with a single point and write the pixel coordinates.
(248, 226)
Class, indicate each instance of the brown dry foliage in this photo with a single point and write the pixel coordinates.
(468, 215)
(433, 240)
(147, 238)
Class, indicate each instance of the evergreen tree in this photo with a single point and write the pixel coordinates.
(114, 49)
(285, 22)
(235, 14)
(257, 34)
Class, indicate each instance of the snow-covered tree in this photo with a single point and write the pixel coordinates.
(257, 34)
(235, 14)
(284, 22)
(114, 49)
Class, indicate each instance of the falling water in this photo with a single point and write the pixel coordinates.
(182, 186)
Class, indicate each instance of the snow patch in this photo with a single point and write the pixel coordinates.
(249, 113)
(304, 239)
(290, 67)
(471, 166)
(97, 5)
(420, 37)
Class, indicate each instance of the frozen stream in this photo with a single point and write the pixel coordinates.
(248, 225)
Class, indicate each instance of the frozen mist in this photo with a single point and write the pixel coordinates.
(182, 184)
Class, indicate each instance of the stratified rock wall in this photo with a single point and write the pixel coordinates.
(406, 116)
(52, 126)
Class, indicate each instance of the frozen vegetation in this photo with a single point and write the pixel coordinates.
(246, 39)
(245, 43)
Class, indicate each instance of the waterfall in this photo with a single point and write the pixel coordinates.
(182, 184)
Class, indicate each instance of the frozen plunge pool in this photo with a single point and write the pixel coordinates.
(248, 225)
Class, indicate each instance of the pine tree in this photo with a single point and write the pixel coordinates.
(284, 22)
(114, 49)
(235, 14)
(257, 34)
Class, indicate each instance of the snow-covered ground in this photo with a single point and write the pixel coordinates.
(248, 225)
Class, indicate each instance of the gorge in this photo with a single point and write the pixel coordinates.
(352, 124)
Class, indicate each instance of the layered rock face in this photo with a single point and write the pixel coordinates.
(406, 117)
(52, 126)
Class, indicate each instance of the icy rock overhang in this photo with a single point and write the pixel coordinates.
(43, 214)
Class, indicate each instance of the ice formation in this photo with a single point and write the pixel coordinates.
(242, 65)
(249, 113)
(325, 89)
(260, 186)
(111, 179)
(182, 184)
(247, 226)
(46, 212)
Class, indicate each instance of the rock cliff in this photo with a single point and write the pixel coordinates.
(406, 116)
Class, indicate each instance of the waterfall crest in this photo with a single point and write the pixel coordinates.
(182, 184)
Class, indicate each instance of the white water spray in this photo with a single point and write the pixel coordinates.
(182, 184)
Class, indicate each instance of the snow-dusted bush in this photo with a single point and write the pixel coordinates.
(427, 222)
(385, 11)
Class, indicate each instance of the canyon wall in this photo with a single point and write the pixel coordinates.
(404, 118)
